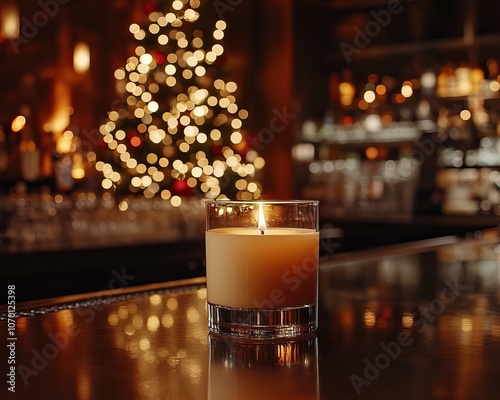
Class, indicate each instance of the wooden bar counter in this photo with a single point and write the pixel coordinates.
(417, 321)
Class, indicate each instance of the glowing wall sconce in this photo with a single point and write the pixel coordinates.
(9, 20)
(81, 57)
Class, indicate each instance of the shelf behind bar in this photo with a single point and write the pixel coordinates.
(414, 47)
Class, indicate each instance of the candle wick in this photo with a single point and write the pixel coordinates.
(261, 231)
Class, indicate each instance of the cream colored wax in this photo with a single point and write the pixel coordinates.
(252, 270)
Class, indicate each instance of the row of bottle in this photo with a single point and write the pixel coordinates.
(486, 155)
(353, 185)
(25, 157)
(469, 191)
(451, 80)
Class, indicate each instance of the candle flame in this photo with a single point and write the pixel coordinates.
(262, 221)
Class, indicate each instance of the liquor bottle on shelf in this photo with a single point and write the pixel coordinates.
(28, 149)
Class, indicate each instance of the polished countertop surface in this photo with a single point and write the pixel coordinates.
(419, 321)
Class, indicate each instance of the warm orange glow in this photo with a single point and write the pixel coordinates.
(407, 320)
(18, 123)
(369, 318)
(347, 92)
(381, 90)
(78, 171)
(386, 119)
(346, 100)
(61, 98)
(27, 146)
(371, 153)
(363, 105)
(64, 142)
(399, 98)
(136, 141)
(346, 88)
(21, 324)
(81, 57)
(9, 21)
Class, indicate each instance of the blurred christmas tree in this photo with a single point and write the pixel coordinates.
(179, 131)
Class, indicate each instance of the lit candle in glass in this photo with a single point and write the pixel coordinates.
(262, 267)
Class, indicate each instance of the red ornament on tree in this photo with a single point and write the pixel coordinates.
(135, 139)
(159, 57)
(181, 188)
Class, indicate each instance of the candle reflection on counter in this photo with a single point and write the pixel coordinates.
(287, 370)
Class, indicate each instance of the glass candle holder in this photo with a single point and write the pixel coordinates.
(262, 268)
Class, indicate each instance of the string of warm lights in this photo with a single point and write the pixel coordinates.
(181, 130)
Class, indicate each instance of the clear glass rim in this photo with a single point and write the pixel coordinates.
(257, 202)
